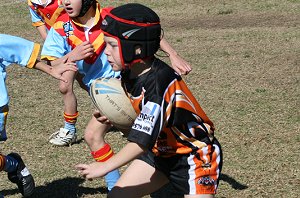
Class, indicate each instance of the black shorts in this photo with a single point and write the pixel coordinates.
(191, 174)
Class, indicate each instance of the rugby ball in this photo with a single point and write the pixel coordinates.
(111, 100)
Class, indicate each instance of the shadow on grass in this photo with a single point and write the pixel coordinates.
(68, 187)
(234, 184)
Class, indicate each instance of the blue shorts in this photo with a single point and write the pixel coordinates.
(3, 118)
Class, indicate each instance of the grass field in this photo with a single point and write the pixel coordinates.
(246, 75)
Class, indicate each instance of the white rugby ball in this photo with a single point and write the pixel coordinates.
(111, 100)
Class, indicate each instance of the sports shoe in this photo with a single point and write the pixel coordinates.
(63, 137)
(22, 177)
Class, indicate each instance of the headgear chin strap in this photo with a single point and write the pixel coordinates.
(86, 4)
(135, 27)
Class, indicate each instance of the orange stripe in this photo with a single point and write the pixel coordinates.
(200, 111)
(58, 25)
(171, 90)
(98, 42)
(50, 58)
(34, 55)
(71, 116)
(38, 23)
(2, 162)
(104, 157)
(5, 117)
(210, 172)
(193, 141)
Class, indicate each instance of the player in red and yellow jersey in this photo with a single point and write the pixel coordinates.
(172, 139)
(44, 13)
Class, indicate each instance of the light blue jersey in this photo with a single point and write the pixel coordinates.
(13, 50)
(65, 35)
(35, 18)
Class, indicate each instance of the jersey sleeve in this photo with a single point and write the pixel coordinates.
(18, 50)
(35, 18)
(147, 125)
(54, 47)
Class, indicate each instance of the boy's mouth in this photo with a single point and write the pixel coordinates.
(69, 10)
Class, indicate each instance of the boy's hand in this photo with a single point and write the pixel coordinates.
(180, 65)
(101, 118)
(58, 70)
(91, 171)
(82, 51)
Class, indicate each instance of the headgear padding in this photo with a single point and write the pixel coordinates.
(134, 26)
(86, 4)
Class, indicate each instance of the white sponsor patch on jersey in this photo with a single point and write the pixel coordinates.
(146, 120)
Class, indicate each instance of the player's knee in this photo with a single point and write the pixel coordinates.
(91, 136)
(94, 138)
(65, 88)
(88, 137)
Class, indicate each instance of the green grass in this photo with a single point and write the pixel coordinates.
(246, 74)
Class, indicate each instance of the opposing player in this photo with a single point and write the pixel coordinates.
(15, 50)
(172, 139)
(44, 14)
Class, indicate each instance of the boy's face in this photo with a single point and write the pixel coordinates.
(72, 7)
(113, 53)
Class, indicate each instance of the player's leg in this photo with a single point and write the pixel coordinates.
(17, 173)
(79, 79)
(139, 179)
(100, 150)
(3, 118)
(67, 135)
(3, 105)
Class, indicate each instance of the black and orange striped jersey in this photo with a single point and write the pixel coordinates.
(170, 120)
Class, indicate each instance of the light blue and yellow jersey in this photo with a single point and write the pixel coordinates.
(13, 50)
(66, 34)
(45, 14)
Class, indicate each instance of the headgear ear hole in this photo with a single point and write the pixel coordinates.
(138, 50)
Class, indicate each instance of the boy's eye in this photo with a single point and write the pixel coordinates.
(113, 44)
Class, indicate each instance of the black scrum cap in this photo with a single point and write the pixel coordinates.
(133, 25)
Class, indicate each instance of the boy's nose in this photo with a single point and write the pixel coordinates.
(66, 2)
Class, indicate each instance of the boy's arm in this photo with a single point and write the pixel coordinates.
(42, 31)
(55, 71)
(37, 21)
(177, 63)
(80, 52)
(97, 169)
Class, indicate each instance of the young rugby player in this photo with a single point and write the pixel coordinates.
(172, 139)
(15, 50)
(83, 25)
(44, 14)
